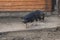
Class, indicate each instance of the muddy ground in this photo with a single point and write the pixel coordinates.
(42, 34)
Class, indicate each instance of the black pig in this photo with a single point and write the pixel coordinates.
(35, 15)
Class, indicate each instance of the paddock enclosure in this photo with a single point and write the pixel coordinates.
(25, 5)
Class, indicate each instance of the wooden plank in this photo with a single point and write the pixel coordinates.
(23, 0)
(24, 5)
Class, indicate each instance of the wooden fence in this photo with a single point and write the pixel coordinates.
(25, 5)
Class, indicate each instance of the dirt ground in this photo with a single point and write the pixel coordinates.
(15, 24)
(42, 34)
(14, 29)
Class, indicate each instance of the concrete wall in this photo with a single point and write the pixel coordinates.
(18, 14)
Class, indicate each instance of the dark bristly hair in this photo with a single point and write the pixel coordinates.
(35, 15)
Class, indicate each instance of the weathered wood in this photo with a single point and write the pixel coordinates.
(24, 5)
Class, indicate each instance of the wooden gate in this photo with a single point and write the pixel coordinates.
(25, 5)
